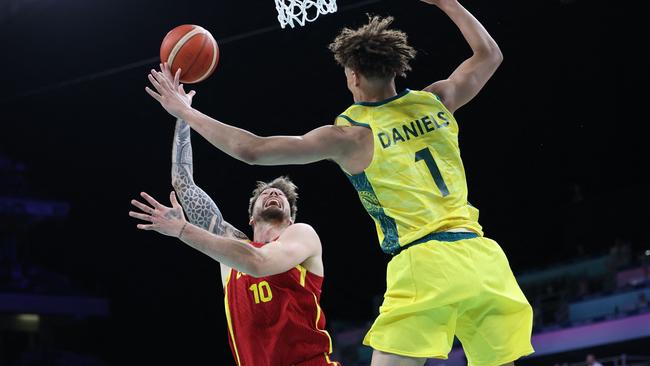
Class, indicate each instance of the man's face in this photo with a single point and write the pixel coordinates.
(271, 205)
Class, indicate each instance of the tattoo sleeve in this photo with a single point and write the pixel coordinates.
(199, 207)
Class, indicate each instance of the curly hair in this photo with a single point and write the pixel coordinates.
(282, 183)
(373, 50)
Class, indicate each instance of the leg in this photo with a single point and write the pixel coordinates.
(380, 358)
(495, 326)
(418, 316)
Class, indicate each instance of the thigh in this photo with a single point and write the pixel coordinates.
(380, 358)
(417, 318)
(494, 326)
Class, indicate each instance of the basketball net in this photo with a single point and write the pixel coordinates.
(301, 11)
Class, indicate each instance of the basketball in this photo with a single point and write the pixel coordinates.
(192, 49)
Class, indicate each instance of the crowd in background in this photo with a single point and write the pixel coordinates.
(550, 299)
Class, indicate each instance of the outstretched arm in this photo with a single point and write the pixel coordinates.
(297, 243)
(323, 143)
(470, 77)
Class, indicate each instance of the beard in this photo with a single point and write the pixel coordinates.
(272, 215)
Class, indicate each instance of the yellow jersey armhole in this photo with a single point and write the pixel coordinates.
(340, 121)
(346, 121)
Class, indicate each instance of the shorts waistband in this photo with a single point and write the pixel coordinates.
(448, 236)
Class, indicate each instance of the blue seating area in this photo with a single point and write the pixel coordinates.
(37, 304)
(609, 306)
(586, 268)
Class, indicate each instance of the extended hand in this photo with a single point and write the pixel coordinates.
(165, 220)
(171, 94)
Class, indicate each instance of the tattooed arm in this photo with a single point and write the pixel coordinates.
(199, 207)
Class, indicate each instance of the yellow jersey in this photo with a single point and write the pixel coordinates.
(415, 184)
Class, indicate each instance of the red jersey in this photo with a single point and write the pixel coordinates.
(277, 320)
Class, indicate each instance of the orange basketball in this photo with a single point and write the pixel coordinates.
(192, 49)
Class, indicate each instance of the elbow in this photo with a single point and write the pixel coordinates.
(494, 54)
(491, 54)
(249, 153)
(176, 181)
(497, 55)
(179, 178)
(257, 266)
(255, 273)
(248, 156)
(176, 184)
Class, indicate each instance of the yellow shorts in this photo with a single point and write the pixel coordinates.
(466, 288)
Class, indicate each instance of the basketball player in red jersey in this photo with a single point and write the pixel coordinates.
(272, 285)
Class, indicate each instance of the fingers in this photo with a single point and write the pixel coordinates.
(169, 71)
(174, 201)
(174, 79)
(155, 95)
(177, 77)
(161, 80)
(165, 70)
(145, 227)
(181, 89)
(140, 216)
(151, 200)
(142, 206)
(143, 217)
(166, 73)
(156, 81)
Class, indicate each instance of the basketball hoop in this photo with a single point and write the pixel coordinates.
(301, 11)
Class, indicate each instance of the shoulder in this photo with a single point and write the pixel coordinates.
(350, 120)
(299, 228)
(301, 232)
(340, 138)
(426, 94)
(432, 96)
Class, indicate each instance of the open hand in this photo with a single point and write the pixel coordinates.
(165, 220)
(170, 93)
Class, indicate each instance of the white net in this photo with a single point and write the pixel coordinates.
(302, 11)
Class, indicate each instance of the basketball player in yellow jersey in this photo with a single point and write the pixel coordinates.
(401, 153)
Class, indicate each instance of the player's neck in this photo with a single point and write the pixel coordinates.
(376, 93)
(265, 232)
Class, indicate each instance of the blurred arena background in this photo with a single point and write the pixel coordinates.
(553, 147)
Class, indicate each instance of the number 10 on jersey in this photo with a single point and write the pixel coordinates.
(261, 292)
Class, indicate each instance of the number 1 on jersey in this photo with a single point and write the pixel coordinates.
(425, 154)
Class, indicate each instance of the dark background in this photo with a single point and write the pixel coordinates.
(553, 146)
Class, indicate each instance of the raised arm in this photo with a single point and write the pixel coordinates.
(323, 143)
(470, 77)
(201, 209)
